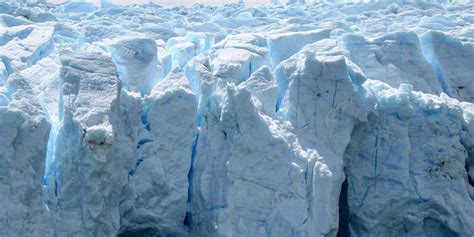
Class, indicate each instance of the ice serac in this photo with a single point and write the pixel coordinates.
(318, 97)
(452, 61)
(394, 58)
(26, 46)
(7, 20)
(184, 48)
(232, 191)
(263, 87)
(156, 195)
(238, 56)
(3, 73)
(232, 155)
(24, 134)
(43, 78)
(137, 63)
(284, 45)
(415, 166)
(90, 166)
(78, 7)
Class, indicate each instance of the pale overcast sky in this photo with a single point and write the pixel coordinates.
(178, 2)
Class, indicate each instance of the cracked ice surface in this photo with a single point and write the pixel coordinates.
(290, 119)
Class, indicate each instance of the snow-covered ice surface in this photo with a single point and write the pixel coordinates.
(301, 119)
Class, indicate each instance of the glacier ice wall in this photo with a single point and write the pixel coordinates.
(290, 119)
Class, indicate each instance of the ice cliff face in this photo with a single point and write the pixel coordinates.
(295, 119)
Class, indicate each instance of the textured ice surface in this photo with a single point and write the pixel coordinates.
(157, 191)
(290, 119)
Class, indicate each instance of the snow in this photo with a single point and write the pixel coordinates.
(286, 119)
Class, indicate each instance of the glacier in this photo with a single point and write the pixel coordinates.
(288, 119)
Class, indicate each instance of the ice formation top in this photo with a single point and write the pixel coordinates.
(288, 119)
